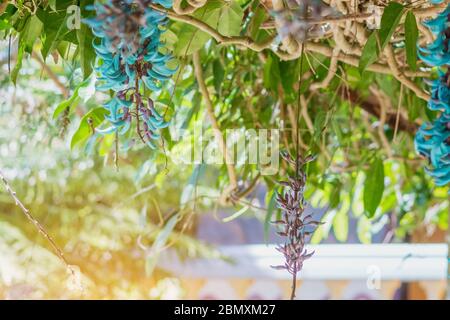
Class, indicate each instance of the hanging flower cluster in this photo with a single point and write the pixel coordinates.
(433, 139)
(295, 226)
(130, 57)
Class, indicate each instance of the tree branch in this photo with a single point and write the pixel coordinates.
(354, 61)
(51, 75)
(372, 106)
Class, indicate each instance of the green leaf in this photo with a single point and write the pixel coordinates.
(323, 230)
(340, 220)
(71, 102)
(369, 53)
(84, 130)
(159, 244)
(271, 208)
(52, 4)
(259, 16)
(272, 73)
(31, 32)
(411, 36)
(169, 38)
(389, 22)
(4, 25)
(219, 75)
(320, 121)
(87, 53)
(230, 19)
(373, 187)
(191, 39)
(192, 111)
(340, 226)
(18, 65)
(187, 193)
(85, 39)
(416, 105)
(55, 27)
(338, 131)
(379, 39)
(289, 72)
(335, 195)
(364, 230)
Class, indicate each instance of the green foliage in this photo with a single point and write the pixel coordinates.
(88, 123)
(370, 52)
(55, 28)
(341, 221)
(71, 103)
(230, 18)
(411, 37)
(389, 22)
(378, 40)
(373, 187)
(160, 243)
(190, 39)
(271, 209)
(18, 66)
(356, 179)
(85, 39)
(30, 33)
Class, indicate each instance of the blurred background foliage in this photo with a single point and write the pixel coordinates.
(113, 218)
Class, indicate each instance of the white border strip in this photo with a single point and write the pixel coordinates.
(406, 262)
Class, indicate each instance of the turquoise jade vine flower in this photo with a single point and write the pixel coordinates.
(433, 139)
(131, 57)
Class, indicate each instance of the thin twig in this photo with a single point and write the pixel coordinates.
(215, 124)
(297, 120)
(397, 119)
(380, 129)
(36, 223)
(52, 75)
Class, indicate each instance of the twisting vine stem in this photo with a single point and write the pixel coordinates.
(293, 51)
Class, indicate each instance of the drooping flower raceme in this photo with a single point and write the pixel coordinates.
(433, 139)
(131, 57)
(295, 225)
